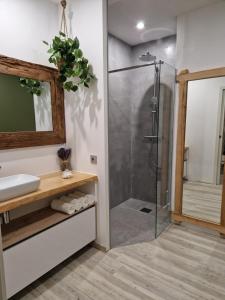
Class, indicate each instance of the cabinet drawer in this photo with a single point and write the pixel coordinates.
(32, 258)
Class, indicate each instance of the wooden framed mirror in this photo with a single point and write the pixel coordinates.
(31, 105)
(200, 154)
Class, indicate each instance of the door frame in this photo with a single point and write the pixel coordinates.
(177, 216)
(220, 128)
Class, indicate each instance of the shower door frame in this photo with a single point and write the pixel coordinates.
(177, 215)
(170, 154)
(133, 67)
(160, 62)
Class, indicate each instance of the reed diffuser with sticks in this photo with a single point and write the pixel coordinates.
(64, 158)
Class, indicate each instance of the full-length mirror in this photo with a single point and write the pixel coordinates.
(25, 104)
(204, 149)
(31, 105)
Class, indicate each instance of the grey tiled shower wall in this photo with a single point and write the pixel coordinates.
(131, 161)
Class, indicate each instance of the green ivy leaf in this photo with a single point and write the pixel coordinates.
(50, 50)
(78, 53)
(76, 43)
(62, 78)
(62, 34)
(74, 88)
(76, 72)
(85, 61)
(31, 85)
(68, 85)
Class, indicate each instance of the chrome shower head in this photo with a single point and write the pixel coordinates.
(154, 104)
(147, 57)
(154, 100)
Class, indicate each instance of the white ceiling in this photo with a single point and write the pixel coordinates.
(159, 17)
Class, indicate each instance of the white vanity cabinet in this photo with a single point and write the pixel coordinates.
(34, 244)
(32, 258)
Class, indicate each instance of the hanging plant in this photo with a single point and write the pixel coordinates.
(66, 55)
(31, 85)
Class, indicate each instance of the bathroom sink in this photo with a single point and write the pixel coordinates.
(17, 185)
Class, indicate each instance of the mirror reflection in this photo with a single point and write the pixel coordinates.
(204, 149)
(25, 104)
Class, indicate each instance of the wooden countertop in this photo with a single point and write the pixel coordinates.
(51, 184)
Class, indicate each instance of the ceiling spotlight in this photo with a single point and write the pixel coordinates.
(140, 25)
(169, 50)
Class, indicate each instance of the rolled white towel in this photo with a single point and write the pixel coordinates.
(78, 205)
(76, 194)
(84, 201)
(89, 200)
(63, 206)
(73, 202)
(64, 198)
(90, 196)
(77, 200)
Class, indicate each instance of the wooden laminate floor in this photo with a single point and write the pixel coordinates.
(184, 263)
(202, 200)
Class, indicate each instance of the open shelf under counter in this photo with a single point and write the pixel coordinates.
(27, 226)
(51, 185)
(34, 255)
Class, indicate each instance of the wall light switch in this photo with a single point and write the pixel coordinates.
(94, 159)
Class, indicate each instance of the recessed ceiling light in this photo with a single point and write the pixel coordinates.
(140, 25)
(169, 50)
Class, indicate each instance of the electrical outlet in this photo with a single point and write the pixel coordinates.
(94, 159)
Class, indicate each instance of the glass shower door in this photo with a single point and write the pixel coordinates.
(132, 157)
(165, 147)
(140, 148)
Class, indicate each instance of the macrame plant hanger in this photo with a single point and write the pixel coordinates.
(63, 27)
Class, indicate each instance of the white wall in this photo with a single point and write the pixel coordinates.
(119, 53)
(200, 38)
(23, 26)
(202, 124)
(200, 45)
(164, 49)
(86, 111)
(43, 108)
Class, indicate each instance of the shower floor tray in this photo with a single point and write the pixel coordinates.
(130, 225)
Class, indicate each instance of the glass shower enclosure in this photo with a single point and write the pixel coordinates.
(141, 101)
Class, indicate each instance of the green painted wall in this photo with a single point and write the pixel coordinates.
(16, 106)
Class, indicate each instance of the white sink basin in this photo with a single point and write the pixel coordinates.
(17, 185)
